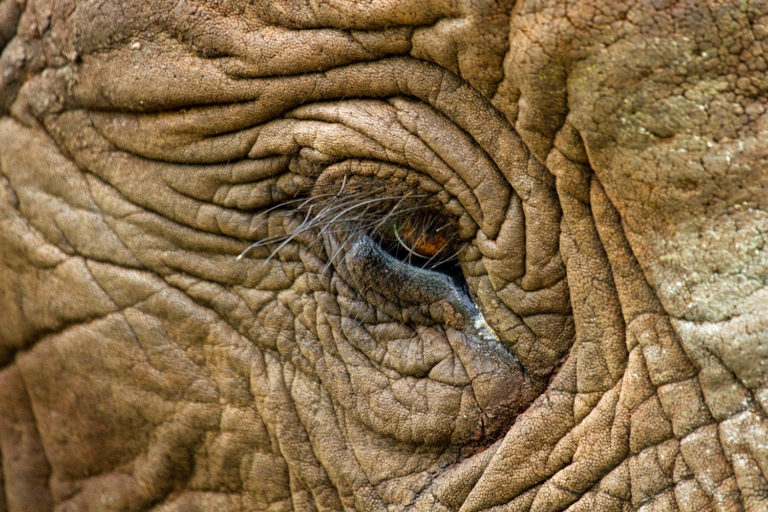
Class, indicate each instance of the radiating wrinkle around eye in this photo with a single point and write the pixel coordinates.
(340, 130)
(304, 183)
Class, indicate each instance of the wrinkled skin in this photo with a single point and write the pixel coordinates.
(604, 165)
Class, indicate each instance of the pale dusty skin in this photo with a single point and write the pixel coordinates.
(603, 164)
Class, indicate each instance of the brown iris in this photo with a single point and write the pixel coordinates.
(424, 241)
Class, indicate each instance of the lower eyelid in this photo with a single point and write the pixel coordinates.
(372, 268)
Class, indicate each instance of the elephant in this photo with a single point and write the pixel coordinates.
(441, 255)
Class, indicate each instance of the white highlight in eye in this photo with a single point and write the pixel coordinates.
(482, 328)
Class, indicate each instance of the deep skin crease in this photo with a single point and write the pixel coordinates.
(207, 299)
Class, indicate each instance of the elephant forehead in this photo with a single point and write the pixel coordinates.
(277, 38)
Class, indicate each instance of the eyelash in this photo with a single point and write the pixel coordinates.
(425, 240)
(402, 225)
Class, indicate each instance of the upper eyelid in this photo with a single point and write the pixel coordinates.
(312, 126)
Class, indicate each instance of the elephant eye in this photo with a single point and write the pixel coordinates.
(427, 242)
(423, 239)
(410, 228)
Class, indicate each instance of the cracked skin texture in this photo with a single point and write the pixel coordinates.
(604, 162)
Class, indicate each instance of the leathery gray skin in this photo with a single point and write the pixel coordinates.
(603, 164)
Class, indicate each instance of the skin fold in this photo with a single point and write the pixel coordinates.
(210, 288)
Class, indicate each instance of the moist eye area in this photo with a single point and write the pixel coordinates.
(427, 241)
